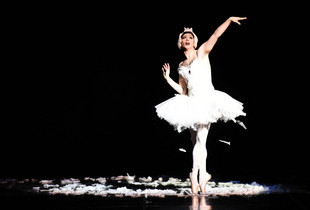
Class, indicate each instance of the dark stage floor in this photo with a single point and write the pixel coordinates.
(130, 192)
(272, 201)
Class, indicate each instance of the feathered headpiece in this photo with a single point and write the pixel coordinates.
(188, 30)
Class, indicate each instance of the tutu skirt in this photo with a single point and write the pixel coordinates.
(182, 111)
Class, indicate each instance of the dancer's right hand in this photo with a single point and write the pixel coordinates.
(166, 70)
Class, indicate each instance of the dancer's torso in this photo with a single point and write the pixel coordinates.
(198, 77)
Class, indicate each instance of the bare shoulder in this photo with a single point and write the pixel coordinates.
(180, 64)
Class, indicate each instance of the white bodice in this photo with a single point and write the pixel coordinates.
(198, 78)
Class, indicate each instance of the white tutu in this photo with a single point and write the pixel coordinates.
(202, 105)
(182, 111)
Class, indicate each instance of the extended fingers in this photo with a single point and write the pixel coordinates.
(236, 19)
(164, 71)
(166, 66)
(241, 18)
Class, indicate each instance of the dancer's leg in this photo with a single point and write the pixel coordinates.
(200, 157)
(200, 150)
(193, 175)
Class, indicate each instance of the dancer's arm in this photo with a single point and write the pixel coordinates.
(181, 87)
(206, 47)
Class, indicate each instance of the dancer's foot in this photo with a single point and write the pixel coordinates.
(203, 180)
(194, 182)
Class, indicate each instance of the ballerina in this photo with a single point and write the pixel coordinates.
(198, 104)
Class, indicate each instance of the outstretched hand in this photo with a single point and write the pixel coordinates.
(236, 19)
(166, 70)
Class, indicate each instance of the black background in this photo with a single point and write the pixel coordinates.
(81, 82)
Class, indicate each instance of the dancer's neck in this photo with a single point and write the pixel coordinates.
(190, 54)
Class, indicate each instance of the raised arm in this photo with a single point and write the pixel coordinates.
(206, 47)
(181, 87)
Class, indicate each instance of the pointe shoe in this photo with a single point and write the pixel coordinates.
(194, 182)
(203, 180)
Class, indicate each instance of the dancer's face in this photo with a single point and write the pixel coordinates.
(187, 41)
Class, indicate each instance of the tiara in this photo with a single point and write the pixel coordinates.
(188, 30)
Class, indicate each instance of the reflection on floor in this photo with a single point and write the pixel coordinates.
(160, 193)
(132, 186)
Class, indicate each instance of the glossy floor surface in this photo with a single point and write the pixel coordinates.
(129, 192)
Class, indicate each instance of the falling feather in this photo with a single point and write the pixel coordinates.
(241, 124)
(182, 150)
(225, 142)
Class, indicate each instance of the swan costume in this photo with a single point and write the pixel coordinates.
(202, 104)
